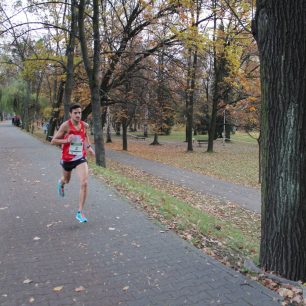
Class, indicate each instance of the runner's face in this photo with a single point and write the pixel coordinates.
(76, 114)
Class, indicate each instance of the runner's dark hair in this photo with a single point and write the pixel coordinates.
(74, 106)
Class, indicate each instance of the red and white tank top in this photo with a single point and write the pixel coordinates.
(76, 148)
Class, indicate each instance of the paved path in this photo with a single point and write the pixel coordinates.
(119, 257)
(244, 196)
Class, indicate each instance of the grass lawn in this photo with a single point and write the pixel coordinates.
(235, 161)
(227, 232)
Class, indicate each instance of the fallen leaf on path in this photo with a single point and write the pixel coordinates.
(27, 281)
(297, 299)
(31, 300)
(3, 208)
(79, 289)
(58, 288)
(36, 238)
(126, 288)
(285, 292)
(111, 229)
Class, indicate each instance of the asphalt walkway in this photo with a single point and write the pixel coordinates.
(118, 258)
(246, 197)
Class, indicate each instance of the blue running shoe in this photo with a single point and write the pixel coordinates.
(60, 189)
(80, 217)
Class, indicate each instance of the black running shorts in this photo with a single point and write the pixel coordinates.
(68, 166)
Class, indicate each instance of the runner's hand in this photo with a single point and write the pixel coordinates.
(91, 151)
(69, 138)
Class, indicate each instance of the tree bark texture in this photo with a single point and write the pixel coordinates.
(108, 126)
(70, 58)
(191, 83)
(92, 71)
(56, 111)
(155, 140)
(27, 102)
(124, 135)
(279, 29)
(215, 98)
(192, 66)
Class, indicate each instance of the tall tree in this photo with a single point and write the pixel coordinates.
(92, 70)
(70, 58)
(191, 74)
(279, 29)
(216, 85)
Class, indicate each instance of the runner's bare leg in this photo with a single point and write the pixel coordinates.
(65, 179)
(82, 172)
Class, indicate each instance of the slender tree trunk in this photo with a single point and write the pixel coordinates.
(279, 29)
(191, 78)
(97, 124)
(108, 127)
(227, 126)
(146, 119)
(155, 141)
(118, 128)
(92, 71)
(189, 108)
(215, 98)
(26, 117)
(191, 99)
(124, 134)
(56, 110)
(70, 58)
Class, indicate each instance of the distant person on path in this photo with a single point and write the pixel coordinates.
(45, 127)
(74, 139)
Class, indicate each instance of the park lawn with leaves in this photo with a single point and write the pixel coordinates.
(222, 230)
(235, 162)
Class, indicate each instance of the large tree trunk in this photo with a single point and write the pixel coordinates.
(259, 159)
(279, 29)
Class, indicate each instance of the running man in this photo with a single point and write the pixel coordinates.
(74, 140)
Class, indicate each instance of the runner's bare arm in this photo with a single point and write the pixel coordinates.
(87, 140)
(58, 138)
